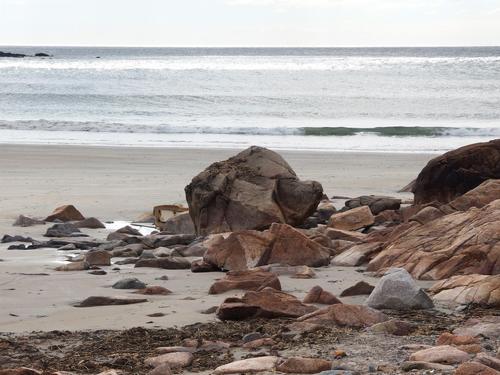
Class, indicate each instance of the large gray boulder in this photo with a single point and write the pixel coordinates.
(397, 290)
(251, 190)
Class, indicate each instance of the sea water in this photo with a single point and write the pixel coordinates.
(325, 99)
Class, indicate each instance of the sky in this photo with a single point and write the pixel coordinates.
(264, 23)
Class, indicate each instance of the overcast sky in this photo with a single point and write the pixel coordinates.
(250, 22)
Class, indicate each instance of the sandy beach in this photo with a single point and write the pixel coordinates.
(122, 184)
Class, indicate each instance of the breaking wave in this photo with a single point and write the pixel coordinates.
(383, 131)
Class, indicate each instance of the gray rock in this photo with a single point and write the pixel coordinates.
(376, 203)
(64, 230)
(397, 290)
(90, 223)
(129, 283)
(179, 224)
(8, 238)
(169, 263)
(25, 221)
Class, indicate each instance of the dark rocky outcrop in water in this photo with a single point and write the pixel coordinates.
(456, 172)
(251, 190)
(8, 54)
(21, 55)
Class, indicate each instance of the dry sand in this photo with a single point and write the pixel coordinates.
(123, 183)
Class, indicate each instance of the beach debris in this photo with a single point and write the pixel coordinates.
(356, 218)
(318, 295)
(342, 314)
(397, 290)
(281, 244)
(266, 303)
(458, 243)
(376, 203)
(358, 289)
(65, 213)
(422, 365)
(129, 283)
(90, 223)
(25, 221)
(456, 172)
(469, 289)
(245, 280)
(108, 301)
(251, 190)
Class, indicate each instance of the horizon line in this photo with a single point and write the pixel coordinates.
(247, 47)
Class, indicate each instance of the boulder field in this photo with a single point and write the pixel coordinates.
(252, 218)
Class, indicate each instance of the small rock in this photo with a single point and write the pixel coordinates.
(163, 369)
(200, 265)
(393, 327)
(397, 290)
(475, 368)
(174, 360)
(74, 266)
(129, 230)
(64, 230)
(154, 290)
(360, 288)
(171, 263)
(440, 354)
(98, 272)
(129, 283)
(251, 337)
(318, 295)
(251, 365)
(25, 221)
(300, 365)
(245, 280)
(90, 223)
(108, 301)
(65, 213)
(259, 343)
(354, 219)
(98, 258)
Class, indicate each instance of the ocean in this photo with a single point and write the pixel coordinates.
(324, 99)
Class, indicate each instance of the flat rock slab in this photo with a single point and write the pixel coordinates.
(483, 290)
(267, 303)
(109, 301)
(245, 280)
(354, 219)
(346, 315)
